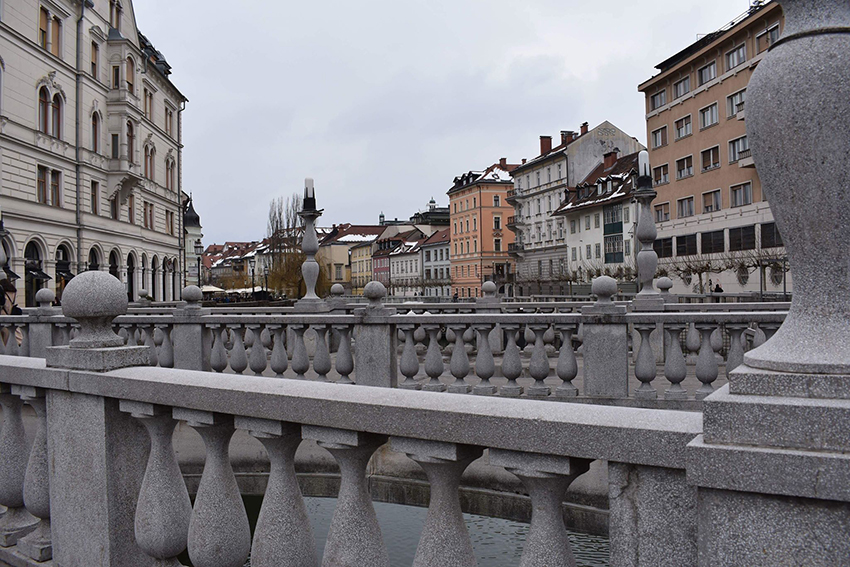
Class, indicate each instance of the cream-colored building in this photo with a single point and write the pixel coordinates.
(336, 254)
(710, 206)
(90, 130)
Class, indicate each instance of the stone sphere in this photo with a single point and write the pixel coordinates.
(374, 291)
(143, 293)
(337, 289)
(604, 287)
(664, 284)
(192, 293)
(44, 295)
(94, 294)
(488, 288)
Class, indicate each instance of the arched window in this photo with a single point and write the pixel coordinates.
(131, 73)
(147, 162)
(95, 133)
(130, 139)
(94, 260)
(169, 175)
(57, 116)
(43, 110)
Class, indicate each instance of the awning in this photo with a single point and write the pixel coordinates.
(12, 276)
(211, 289)
(37, 274)
(65, 275)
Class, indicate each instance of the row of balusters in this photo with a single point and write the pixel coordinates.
(14, 339)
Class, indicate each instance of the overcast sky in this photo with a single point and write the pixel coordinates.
(384, 102)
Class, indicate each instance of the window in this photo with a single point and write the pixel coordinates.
(149, 157)
(55, 178)
(612, 215)
(95, 133)
(682, 87)
(130, 140)
(736, 147)
(596, 220)
(663, 247)
(736, 56)
(55, 37)
(711, 201)
(770, 237)
(169, 175)
(661, 175)
(94, 197)
(548, 174)
(427, 255)
(474, 223)
(467, 225)
(587, 222)
(742, 238)
(659, 137)
(711, 158)
(474, 202)
(684, 167)
(662, 212)
(708, 116)
(707, 73)
(735, 103)
(115, 14)
(131, 209)
(588, 252)
(497, 244)
(686, 245)
(574, 254)
(626, 214)
(131, 74)
(455, 227)
(658, 100)
(113, 207)
(712, 242)
(56, 109)
(742, 194)
(613, 249)
(572, 227)
(598, 250)
(115, 146)
(685, 207)
(116, 77)
(43, 111)
(767, 38)
(148, 104)
(95, 57)
(497, 201)
(42, 185)
(169, 222)
(559, 171)
(169, 127)
(683, 127)
(627, 247)
(497, 223)
(148, 221)
(43, 19)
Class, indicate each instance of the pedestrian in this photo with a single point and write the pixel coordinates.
(717, 288)
(10, 293)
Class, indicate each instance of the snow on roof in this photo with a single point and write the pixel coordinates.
(357, 238)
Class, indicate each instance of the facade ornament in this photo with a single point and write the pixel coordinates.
(49, 81)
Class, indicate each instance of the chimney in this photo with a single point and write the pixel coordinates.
(503, 162)
(545, 144)
(523, 161)
(610, 158)
(567, 136)
(584, 128)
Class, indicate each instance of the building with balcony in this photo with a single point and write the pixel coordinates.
(540, 186)
(479, 206)
(436, 264)
(710, 210)
(90, 123)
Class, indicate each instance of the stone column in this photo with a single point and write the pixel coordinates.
(375, 356)
(605, 344)
(192, 341)
(40, 328)
(772, 466)
(93, 499)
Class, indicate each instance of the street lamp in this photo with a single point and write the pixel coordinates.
(199, 249)
(266, 274)
(251, 263)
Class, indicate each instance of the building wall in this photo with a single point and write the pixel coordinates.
(436, 286)
(361, 268)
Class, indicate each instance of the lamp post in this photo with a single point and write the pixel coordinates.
(647, 297)
(310, 245)
(266, 275)
(199, 249)
(252, 263)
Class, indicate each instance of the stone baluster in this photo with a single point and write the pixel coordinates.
(25, 340)
(759, 337)
(675, 368)
(258, 360)
(485, 366)
(12, 348)
(238, 356)
(546, 478)
(322, 357)
(354, 537)
(166, 351)
(707, 368)
(645, 369)
(149, 342)
(283, 536)
(444, 539)
(567, 368)
(735, 356)
(163, 510)
(131, 335)
(300, 360)
(2, 344)
(219, 534)
(409, 364)
(120, 330)
(37, 545)
(16, 522)
(279, 362)
(218, 354)
(433, 361)
(511, 363)
(692, 343)
(459, 364)
(344, 360)
(65, 333)
(538, 366)
(769, 328)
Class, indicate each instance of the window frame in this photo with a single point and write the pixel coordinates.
(713, 67)
(664, 179)
(688, 125)
(689, 170)
(664, 210)
(717, 203)
(702, 113)
(714, 165)
(747, 195)
(679, 207)
(659, 131)
(685, 83)
(742, 47)
(662, 99)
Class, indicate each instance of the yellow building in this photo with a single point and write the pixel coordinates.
(335, 254)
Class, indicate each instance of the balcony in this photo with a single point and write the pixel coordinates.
(745, 159)
(739, 111)
(511, 196)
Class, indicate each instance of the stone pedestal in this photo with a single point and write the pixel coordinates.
(605, 344)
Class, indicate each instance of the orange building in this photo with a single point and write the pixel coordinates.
(479, 237)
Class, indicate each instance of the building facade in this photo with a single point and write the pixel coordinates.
(336, 251)
(90, 124)
(713, 221)
(361, 267)
(478, 201)
(436, 264)
(540, 186)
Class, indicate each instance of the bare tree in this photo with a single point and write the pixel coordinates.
(283, 233)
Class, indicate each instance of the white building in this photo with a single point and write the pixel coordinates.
(405, 263)
(90, 124)
(436, 265)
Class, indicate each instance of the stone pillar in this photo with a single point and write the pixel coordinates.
(491, 303)
(375, 357)
(310, 303)
(192, 341)
(772, 467)
(93, 499)
(40, 328)
(605, 344)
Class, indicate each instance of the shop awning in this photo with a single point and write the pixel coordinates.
(65, 275)
(37, 274)
(12, 276)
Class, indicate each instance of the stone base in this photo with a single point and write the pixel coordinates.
(757, 382)
(410, 386)
(480, 390)
(459, 387)
(97, 359)
(566, 391)
(677, 394)
(10, 556)
(311, 306)
(510, 391)
(37, 545)
(536, 391)
(15, 524)
(648, 394)
(434, 387)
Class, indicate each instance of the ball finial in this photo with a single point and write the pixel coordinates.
(375, 292)
(192, 294)
(337, 289)
(604, 287)
(94, 299)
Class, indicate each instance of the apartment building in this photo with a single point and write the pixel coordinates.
(478, 201)
(436, 264)
(91, 148)
(710, 210)
(336, 251)
(540, 186)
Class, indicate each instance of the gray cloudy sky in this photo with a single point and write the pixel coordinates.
(383, 102)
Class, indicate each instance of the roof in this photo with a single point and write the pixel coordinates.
(496, 173)
(190, 217)
(439, 237)
(352, 233)
(586, 194)
(567, 138)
